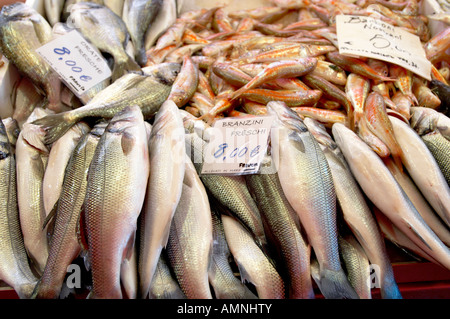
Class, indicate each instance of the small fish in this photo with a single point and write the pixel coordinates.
(330, 72)
(53, 10)
(425, 96)
(436, 47)
(282, 69)
(290, 97)
(185, 84)
(357, 66)
(404, 81)
(357, 89)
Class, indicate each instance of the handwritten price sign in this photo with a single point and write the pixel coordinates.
(79, 64)
(365, 36)
(237, 146)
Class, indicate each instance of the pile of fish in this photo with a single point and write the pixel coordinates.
(113, 178)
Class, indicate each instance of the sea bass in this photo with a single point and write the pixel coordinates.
(221, 276)
(356, 211)
(116, 184)
(167, 162)
(15, 270)
(64, 246)
(385, 193)
(306, 180)
(145, 91)
(191, 235)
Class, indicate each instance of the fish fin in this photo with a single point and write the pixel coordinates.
(417, 234)
(315, 272)
(129, 248)
(127, 142)
(26, 291)
(121, 67)
(245, 277)
(55, 125)
(34, 136)
(335, 285)
(50, 215)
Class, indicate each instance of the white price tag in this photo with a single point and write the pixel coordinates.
(365, 36)
(79, 65)
(237, 146)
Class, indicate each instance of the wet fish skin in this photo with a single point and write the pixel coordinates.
(422, 167)
(111, 208)
(31, 160)
(58, 158)
(138, 16)
(106, 31)
(290, 97)
(230, 192)
(22, 31)
(185, 84)
(145, 91)
(14, 267)
(221, 276)
(307, 183)
(356, 211)
(53, 10)
(165, 18)
(357, 266)
(253, 264)
(164, 285)
(191, 235)
(384, 192)
(167, 158)
(64, 246)
(284, 227)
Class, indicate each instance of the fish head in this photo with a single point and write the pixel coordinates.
(125, 119)
(165, 73)
(17, 11)
(320, 133)
(285, 116)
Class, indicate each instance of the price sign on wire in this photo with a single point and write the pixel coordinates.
(372, 38)
(237, 146)
(79, 64)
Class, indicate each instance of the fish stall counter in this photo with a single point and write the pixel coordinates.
(416, 277)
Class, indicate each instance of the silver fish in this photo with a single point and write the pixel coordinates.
(53, 10)
(355, 210)
(307, 183)
(116, 184)
(167, 162)
(357, 265)
(191, 235)
(165, 18)
(138, 16)
(58, 158)
(145, 91)
(64, 246)
(221, 276)
(32, 157)
(285, 231)
(386, 194)
(164, 285)
(15, 270)
(423, 168)
(106, 31)
(254, 266)
(22, 31)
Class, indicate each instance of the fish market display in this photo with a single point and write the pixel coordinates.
(111, 181)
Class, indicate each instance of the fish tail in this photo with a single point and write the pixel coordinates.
(123, 66)
(335, 285)
(55, 125)
(26, 291)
